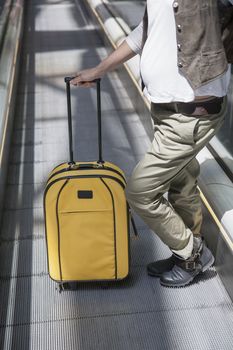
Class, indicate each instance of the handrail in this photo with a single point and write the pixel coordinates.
(11, 25)
(4, 17)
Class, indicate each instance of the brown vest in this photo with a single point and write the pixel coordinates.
(204, 31)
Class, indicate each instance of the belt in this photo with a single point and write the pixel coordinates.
(212, 106)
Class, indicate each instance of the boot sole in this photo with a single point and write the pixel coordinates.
(206, 267)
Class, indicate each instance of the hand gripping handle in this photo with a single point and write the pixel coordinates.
(68, 79)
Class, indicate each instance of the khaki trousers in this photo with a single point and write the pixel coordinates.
(169, 166)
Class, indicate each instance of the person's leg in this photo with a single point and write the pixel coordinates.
(184, 196)
(178, 138)
(151, 178)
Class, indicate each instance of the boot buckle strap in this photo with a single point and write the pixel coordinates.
(190, 265)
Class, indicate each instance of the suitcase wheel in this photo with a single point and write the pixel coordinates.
(63, 286)
(105, 285)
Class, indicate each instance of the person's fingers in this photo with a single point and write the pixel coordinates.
(80, 81)
(75, 80)
(86, 84)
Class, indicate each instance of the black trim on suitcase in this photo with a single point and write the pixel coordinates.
(46, 234)
(58, 227)
(84, 176)
(128, 235)
(85, 167)
(114, 225)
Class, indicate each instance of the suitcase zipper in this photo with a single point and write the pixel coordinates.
(83, 176)
(83, 167)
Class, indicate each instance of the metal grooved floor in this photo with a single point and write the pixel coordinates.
(138, 314)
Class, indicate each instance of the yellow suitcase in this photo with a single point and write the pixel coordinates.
(86, 217)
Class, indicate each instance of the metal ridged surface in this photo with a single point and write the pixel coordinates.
(135, 314)
(23, 257)
(22, 223)
(151, 331)
(27, 196)
(139, 294)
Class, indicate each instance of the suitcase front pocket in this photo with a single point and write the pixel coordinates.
(87, 247)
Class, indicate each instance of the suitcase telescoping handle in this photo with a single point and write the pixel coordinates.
(97, 81)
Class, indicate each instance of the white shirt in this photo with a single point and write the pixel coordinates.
(158, 64)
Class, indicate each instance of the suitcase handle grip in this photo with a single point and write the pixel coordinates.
(85, 166)
(68, 80)
(97, 81)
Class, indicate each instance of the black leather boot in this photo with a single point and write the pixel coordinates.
(157, 268)
(184, 271)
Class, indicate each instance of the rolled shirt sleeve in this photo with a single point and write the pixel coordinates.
(134, 39)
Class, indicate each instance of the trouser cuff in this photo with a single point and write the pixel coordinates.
(186, 252)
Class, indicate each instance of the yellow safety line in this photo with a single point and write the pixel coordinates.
(8, 102)
(218, 223)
